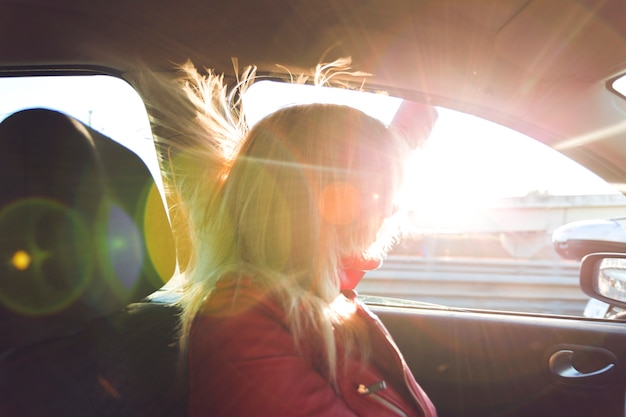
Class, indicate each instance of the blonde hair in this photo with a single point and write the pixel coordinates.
(282, 204)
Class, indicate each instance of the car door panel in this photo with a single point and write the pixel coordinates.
(498, 364)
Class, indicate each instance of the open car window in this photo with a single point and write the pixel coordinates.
(105, 103)
(481, 201)
(477, 233)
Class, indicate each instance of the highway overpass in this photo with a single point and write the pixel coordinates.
(522, 225)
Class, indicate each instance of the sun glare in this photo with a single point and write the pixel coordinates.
(467, 165)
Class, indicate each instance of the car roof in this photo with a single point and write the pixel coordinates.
(540, 67)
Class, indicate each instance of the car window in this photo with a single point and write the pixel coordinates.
(105, 103)
(481, 204)
(481, 200)
(619, 85)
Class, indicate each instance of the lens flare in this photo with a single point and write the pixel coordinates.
(123, 249)
(21, 260)
(340, 203)
(158, 238)
(47, 256)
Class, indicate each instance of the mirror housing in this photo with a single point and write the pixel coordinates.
(603, 277)
(577, 239)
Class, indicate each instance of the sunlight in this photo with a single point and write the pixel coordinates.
(468, 164)
(456, 173)
(607, 132)
(265, 97)
(105, 103)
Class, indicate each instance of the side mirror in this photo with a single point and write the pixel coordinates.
(578, 239)
(603, 277)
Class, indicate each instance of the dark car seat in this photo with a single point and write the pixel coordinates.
(84, 239)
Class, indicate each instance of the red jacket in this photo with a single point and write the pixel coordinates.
(243, 362)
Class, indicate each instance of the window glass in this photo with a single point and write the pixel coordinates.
(107, 104)
(620, 85)
(482, 202)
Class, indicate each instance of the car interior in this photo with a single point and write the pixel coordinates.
(89, 256)
(100, 351)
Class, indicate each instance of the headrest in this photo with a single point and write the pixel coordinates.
(83, 229)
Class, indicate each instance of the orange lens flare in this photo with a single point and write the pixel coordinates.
(340, 203)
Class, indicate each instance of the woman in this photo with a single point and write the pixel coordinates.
(284, 226)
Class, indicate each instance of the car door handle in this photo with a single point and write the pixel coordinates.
(561, 365)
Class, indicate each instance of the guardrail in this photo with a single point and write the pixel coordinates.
(493, 284)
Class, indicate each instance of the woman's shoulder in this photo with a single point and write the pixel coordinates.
(235, 317)
(240, 303)
(232, 297)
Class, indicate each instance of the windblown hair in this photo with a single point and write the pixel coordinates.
(281, 204)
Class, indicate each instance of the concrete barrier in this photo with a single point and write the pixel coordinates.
(544, 287)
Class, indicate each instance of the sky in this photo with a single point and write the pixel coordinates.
(465, 159)
(478, 160)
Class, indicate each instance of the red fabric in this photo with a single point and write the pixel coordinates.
(243, 362)
(353, 269)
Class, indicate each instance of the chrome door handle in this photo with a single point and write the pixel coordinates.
(561, 365)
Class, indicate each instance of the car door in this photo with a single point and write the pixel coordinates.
(498, 364)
